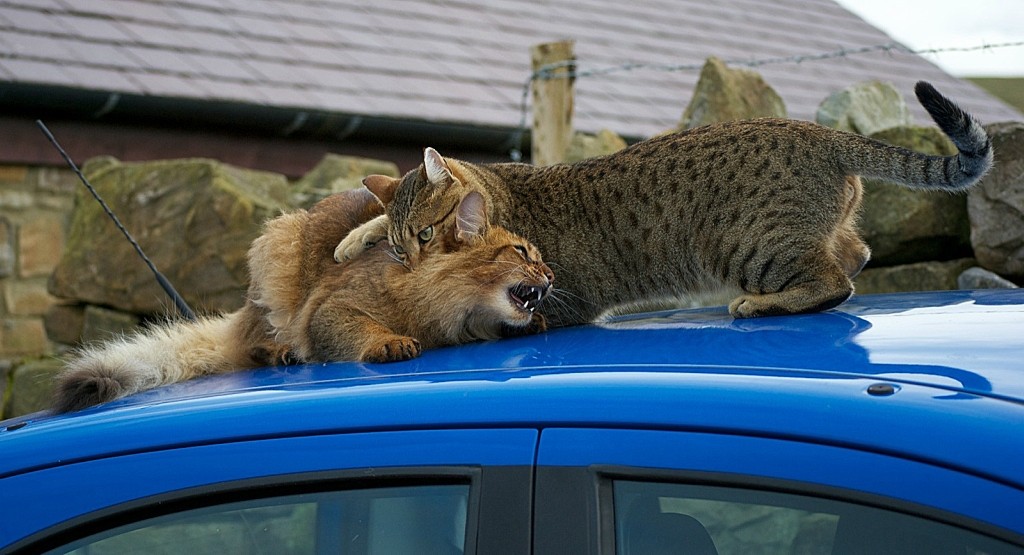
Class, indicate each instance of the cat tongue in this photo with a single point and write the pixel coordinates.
(526, 297)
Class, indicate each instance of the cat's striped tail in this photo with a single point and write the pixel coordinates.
(920, 171)
(175, 352)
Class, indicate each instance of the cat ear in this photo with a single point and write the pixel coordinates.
(438, 172)
(471, 218)
(382, 187)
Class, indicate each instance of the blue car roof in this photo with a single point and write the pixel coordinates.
(954, 359)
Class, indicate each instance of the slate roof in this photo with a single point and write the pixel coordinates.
(456, 61)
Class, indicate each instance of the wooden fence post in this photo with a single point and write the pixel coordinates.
(552, 103)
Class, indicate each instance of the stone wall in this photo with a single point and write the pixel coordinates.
(35, 207)
(69, 277)
(195, 218)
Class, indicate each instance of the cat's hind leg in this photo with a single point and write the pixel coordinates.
(815, 282)
(846, 244)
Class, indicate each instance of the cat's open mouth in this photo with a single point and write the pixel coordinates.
(527, 297)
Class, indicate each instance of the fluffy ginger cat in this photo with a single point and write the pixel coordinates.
(767, 207)
(302, 305)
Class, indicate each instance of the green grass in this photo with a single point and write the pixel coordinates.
(1008, 89)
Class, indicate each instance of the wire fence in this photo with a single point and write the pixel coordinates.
(555, 71)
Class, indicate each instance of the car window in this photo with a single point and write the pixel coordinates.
(653, 518)
(386, 520)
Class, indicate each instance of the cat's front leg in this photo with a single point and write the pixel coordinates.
(391, 348)
(362, 238)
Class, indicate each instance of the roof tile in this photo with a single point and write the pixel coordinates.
(94, 28)
(31, 20)
(173, 86)
(452, 60)
(101, 79)
(38, 72)
(121, 10)
(25, 45)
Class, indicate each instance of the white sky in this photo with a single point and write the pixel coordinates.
(922, 24)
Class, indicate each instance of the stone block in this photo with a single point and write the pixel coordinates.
(59, 181)
(27, 297)
(996, 205)
(32, 386)
(585, 146)
(726, 94)
(980, 278)
(865, 108)
(64, 323)
(40, 244)
(904, 226)
(921, 276)
(195, 219)
(8, 260)
(16, 199)
(13, 175)
(99, 324)
(336, 173)
(22, 336)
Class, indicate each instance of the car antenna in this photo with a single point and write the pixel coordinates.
(179, 302)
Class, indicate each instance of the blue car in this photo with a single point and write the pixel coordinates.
(893, 424)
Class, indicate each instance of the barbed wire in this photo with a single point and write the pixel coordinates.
(554, 71)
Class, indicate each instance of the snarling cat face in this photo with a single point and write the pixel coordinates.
(495, 275)
(424, 209)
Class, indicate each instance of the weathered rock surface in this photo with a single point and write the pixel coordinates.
(980, 278)
(31, 386)
(865, 108)
(194, 219)
(64, 323)
(336, 173)
(585, 146)
(903, 226)
(921, 276)
(726, 94)
(996, 205)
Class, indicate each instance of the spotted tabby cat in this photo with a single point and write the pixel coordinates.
(767, 207)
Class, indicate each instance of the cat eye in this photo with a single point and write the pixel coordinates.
(399, 250)
(426, 234)
(522, 251)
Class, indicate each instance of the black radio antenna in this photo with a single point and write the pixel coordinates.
(179, 302)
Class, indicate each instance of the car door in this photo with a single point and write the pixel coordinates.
(414, 491)
(631, 491)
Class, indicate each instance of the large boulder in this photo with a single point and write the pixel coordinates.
(996, 205)
(725, 94)
(193, 218)
(865, 108)
(336, 173)
(902, 225)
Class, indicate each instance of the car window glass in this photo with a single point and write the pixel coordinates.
(391, 520)
(653, 518)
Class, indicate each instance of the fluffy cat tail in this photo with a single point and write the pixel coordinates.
(949, 173)
(170, 353)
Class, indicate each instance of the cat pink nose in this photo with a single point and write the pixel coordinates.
(548, 274)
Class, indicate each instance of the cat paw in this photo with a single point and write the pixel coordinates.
(392, 350)
(746, 307)
(354, 244)
(538, 324)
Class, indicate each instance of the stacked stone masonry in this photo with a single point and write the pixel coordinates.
(67, 276)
